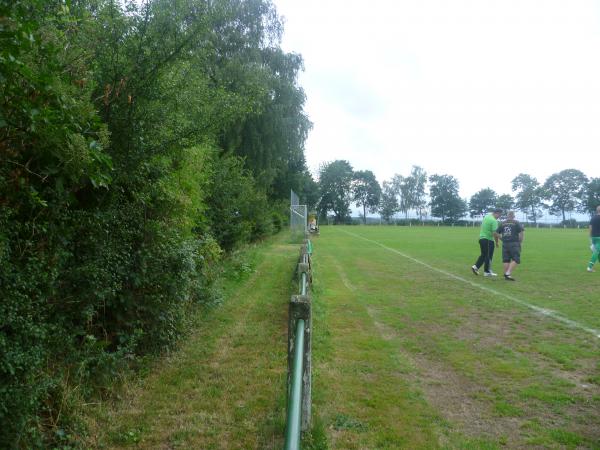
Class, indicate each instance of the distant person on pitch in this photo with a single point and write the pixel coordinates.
(511, 232)
(595, 238)
(488, 240)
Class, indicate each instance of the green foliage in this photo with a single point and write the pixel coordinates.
(366, 191)
(401, 188)
(445, 200)
(316, 437)
(238, 212)
(415, 187)
(335, 184)
(272, 137)
(505, 202)
(280, 215)
(565, 190)
(138, 142)
(482, 202)
(388, 205)
(409, 192)
(592, 196)
(529, 195)
(307, 189)
(343, 422)
(51, 140)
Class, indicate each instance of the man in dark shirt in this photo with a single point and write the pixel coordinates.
(595, 238)
(511, 232)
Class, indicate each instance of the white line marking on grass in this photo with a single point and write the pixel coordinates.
(543, 311)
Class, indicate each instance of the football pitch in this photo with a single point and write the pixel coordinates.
(412, 350)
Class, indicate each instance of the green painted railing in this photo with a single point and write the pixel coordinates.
(294, 413)
(299, 360)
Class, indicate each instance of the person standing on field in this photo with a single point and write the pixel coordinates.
(488, 240)
(511, 232)
(595, 238)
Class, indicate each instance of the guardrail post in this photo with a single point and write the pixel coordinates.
(300, 308)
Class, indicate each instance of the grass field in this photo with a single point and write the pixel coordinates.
(414, 351)
(410, 350)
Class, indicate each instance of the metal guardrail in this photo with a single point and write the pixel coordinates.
(294, 413)
(299, 354)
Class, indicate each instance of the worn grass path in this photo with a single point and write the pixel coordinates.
(225, 387)
(411, 357)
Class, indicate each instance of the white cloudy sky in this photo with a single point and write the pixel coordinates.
(478, 89)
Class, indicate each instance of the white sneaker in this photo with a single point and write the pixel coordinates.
(589, 269)
(474, 269)
(490, 274)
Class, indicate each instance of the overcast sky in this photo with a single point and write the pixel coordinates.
(481, 90)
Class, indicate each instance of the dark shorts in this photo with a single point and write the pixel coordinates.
(511, 251)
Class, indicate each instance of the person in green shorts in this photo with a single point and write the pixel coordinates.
(488, 240)
(595, 238)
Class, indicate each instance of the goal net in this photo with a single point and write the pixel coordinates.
(298, 218)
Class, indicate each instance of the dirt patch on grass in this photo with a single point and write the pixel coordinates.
(502, 330)
(475, 406)
(345, 280)
(456, 397)
(387, 333)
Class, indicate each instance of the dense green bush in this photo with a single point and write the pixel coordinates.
(138, 143)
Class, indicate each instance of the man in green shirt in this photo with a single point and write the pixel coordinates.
(488, 240)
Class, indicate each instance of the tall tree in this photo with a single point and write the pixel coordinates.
(405, 195)
(366, 191)
(592, 196)
(399, 187)
(308, 189)
(445, 199)
(335, 185)
(505, 202)
(273, 136)
(529, 195)
(416, 182)
(565, 190)
(482, 202)
(388, 205)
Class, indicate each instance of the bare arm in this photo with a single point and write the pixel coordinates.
(521, 237)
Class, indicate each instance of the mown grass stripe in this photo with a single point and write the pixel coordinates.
(542, 311)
